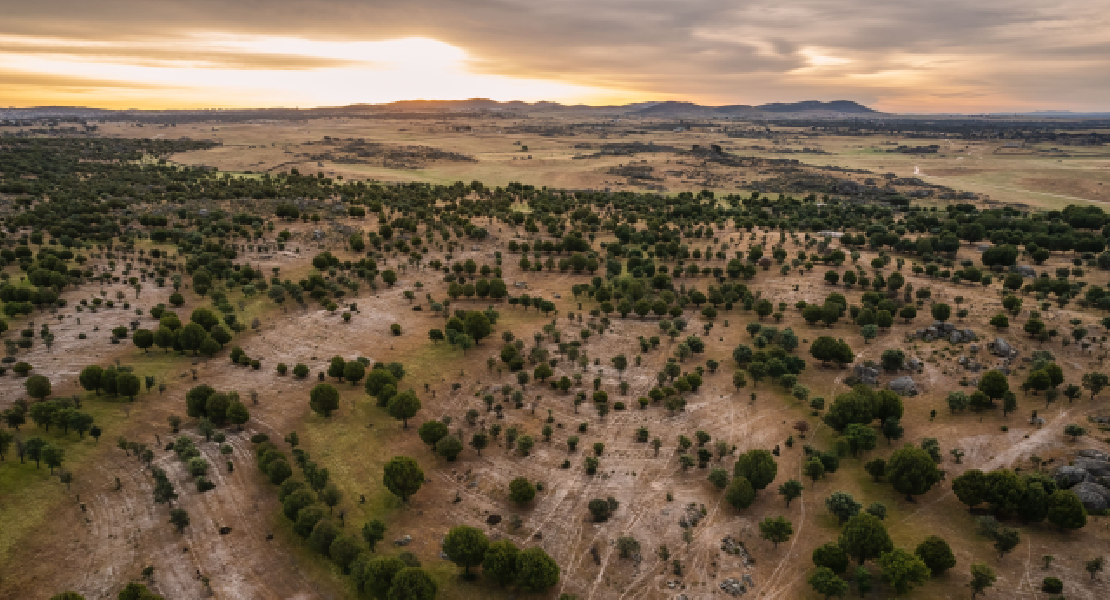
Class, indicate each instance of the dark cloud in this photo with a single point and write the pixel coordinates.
(734, 52)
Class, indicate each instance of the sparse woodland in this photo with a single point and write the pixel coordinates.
(421, 391)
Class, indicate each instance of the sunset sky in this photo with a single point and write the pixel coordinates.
(893, 55)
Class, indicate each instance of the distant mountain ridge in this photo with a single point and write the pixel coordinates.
(670, 108)
(640, 108)
(673, 108)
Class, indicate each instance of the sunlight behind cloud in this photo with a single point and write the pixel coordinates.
(274, 71)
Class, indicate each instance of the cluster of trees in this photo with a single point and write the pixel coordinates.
(113, 381)
(308, 502)
(532, 570)
(483, 288)
(864, 538)
(203, 334)
(753, 471)
(466, 328)
(1031, 497)
(204, 402)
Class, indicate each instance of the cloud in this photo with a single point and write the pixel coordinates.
(156, 54)
(745, 51)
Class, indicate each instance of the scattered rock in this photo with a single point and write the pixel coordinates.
(903, 386)
(690, 517)
(732, 587)
(736, 547)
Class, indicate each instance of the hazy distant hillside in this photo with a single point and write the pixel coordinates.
(691, 109)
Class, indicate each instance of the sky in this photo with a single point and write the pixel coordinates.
(904, 56)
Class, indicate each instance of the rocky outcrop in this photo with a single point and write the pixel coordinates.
(1092, 495)
(1087, 477)
(1066, 476)
(903, 386)
(1001, 347)
(866, 374)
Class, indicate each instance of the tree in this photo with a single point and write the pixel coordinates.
(599, 509)
(1066, 511)
(536, 571)
(825, 582)
(449, 447)
(1094, 566)
(53, 456)
(478, 325)
(143, 339)
(432, 431)
(814, 468)
(137, 591)
(971, 487)
(128, 384)
(758, 467)
(865, 537)
(191, 337)
(936, 554)
(790, 490)
(373, 532)
(994, 384)
(740, 493)
(521, 490)
(465, 546)
(831, 556)
(860, 437)
(982, 577)
(323, 399)
(354, 371)
(374, 575)
(479, 441)
(403, 477)
(237, 414)
(912, 471)
(323, 534)
(404, 406)
(38, 386)
(843, 506)
(412, 583)
(343, 551)
(941, 311)
(500, 561)
(542, 372)
(902, 570)
(377, 380)
(1006, 539)
(775, 530)
(1095, 383)
(1074, 431)
(179, 519)
(90, 378)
